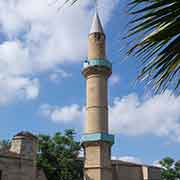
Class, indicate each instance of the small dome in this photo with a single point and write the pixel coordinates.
(26, 134)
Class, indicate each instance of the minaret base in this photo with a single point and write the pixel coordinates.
(98, 174)
(97, 161)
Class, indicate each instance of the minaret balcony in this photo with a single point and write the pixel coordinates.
(95, 137)
(94, 66)
(97, 62)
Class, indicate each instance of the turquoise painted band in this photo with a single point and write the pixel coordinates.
(97, 62)
(98, 137)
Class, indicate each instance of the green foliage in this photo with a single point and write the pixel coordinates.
(170, 169)
(155, 40)
(4, 144)
(58, 156)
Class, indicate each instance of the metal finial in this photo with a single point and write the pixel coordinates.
(96, 5)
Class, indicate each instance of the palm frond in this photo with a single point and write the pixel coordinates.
(65, 2)
(155, 36)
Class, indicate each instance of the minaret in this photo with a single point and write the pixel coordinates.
(97, 141)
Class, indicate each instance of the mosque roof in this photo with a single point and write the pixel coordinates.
(125, 163)
(26, 134)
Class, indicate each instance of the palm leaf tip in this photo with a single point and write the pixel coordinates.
(156, 26)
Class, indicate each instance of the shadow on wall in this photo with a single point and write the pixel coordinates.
(87, 177)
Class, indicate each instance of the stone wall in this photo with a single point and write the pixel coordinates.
(10, 168)
(19, 169)
(19, 162)
(130, 171)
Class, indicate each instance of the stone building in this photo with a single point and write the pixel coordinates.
(19, 162)
(122, 170)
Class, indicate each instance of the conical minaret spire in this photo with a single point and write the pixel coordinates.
(96, 24)
(96, 40)
(97, 141)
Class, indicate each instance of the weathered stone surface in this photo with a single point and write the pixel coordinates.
(131, 171)
(19, 162)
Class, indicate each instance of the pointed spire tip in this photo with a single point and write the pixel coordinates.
(96, 24)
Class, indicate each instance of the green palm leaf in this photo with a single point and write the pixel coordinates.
(156, 33)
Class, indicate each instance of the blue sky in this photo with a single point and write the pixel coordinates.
(43, 91)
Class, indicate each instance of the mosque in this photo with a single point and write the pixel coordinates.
(19, 162)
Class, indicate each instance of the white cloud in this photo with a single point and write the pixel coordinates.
(14, 59)
(39, 38)
(157, 164)
(54, 77)
(158, 115)
(81, 153)
(130, 159)
(19, 88)
(114, 79)
(59, 74)
(130, 115)
(32, 90)
(64, 114)
(49, 36)
(63, 73)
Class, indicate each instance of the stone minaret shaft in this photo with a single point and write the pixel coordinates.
(97, 141)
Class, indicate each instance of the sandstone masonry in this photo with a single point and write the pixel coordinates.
(19, 162)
